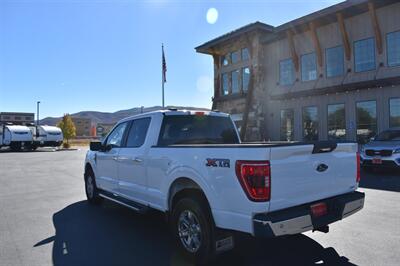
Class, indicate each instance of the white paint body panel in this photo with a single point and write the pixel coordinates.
(16, 133)
(294, 179)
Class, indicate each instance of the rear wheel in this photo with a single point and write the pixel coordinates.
(16, 146)
(92, 193)
(192, 227)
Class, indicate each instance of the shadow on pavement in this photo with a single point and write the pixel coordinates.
(113, 235)
(382, 179)
(6, 150)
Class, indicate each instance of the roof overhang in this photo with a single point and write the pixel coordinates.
(207, 48)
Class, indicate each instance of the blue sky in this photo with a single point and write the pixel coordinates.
(105, 55)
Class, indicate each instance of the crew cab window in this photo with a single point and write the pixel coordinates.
(195, 129)
(116, 136)
(137, 132)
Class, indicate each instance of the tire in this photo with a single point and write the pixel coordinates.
(16, 146)
(196, 243)
(91, 190)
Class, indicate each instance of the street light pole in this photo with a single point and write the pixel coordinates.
(37, 112)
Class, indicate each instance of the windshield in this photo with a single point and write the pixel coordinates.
(191, 129)
(389, 135)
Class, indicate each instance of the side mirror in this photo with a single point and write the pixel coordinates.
(96, 146)
(107, 147)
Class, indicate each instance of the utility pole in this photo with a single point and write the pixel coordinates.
(37, 113)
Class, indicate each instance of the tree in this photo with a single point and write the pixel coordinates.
(68, 128)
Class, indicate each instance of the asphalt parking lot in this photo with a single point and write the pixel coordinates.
(45, 220)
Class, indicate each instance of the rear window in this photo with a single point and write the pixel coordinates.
(194, 129)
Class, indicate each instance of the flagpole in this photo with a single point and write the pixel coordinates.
(163, 93)
(162, 75)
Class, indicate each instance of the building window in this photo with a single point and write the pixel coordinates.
(366, 121)
(286, 72)
(6, 117)
(235, 81)
(245, 78)
(336, 122)
(245, 54)
(225, 84)
(310, 123)
(393, 48)
(17, 118)
(225, 59)
(364, 55)
(287, 125)
(235, 57)
(28, 118)
(394, 105)
(334, 61)
(308, 67)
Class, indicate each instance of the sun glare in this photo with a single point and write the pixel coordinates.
(212, 15)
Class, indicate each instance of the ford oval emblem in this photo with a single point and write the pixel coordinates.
(322, 167)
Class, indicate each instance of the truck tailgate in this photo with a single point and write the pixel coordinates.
(302, 174)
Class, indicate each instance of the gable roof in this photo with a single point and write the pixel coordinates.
(204, 48)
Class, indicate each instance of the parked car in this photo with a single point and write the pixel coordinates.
(192, 166)
(383, 151)
(16, 137)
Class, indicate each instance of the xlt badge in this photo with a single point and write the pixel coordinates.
(218, 162)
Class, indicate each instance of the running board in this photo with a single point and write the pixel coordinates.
(140, 208)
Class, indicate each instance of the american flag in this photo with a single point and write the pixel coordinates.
(164, 65)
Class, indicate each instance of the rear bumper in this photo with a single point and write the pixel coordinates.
(299, 219)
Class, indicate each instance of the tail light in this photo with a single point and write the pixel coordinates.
(358, 177)
(255, 178)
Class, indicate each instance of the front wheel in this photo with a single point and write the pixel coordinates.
(192, 227)
(92, 193)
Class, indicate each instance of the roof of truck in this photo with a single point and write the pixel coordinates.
(176, 112)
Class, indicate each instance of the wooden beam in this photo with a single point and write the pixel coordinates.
(345, 36)
(250, 90)
(316, 43)
(375, 25)
(217, 83)
(295, 57)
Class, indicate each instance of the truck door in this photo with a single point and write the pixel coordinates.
(132, 162)
(107, 166)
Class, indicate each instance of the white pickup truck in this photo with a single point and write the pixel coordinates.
(193, 167)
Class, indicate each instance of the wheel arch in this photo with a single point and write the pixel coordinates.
(184, 186)
(88, 167)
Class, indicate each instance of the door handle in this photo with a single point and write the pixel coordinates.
(115, 158)
(137, 160)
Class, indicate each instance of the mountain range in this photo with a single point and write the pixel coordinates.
(110, 118)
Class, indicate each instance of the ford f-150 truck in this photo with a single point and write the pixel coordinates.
(193, 167)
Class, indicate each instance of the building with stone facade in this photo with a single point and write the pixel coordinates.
(83, 126)
(333, 74)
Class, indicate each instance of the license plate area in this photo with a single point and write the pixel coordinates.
(377, 161)
(319, 209)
